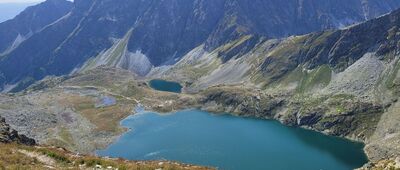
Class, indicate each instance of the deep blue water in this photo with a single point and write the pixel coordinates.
(232, 143)
(163, 85)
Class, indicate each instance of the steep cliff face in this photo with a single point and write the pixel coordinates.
(269, 18)
(164, 31)
(338, 49)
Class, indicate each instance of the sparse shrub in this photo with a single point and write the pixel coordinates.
(122, 167)
(2, 167)
(93, 162)
(57, 157)
(80, 162)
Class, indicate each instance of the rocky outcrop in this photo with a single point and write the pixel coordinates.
(8, 135)
(243, 102)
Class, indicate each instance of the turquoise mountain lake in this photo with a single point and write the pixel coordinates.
(163, 85)
(231, 143)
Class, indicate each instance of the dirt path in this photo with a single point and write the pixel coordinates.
(104, 90)
(41, 158)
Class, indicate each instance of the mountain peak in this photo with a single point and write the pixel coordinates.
(164, 31)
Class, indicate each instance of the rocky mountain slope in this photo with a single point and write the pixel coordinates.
(32, 20)
(94, 27)
(356, 60)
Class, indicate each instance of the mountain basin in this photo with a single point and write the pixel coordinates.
(231, 143)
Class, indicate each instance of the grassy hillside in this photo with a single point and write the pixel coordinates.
(14, 156)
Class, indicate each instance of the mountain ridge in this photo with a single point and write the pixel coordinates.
(29, 22)
(188, 23)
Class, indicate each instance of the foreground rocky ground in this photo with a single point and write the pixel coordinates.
(15, 156)
(8, 135)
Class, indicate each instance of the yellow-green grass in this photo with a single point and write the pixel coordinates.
(105, 118)
(19, 157)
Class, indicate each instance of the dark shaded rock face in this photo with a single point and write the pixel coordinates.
(165, 30)
(339, 49)
(31, 21)
(8, 135)
(309, 119)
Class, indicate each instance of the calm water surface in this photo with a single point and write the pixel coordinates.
(232, 143)
(163, 85)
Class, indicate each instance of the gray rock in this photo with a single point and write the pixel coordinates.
(8, 135)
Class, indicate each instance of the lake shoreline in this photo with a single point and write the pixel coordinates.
(233, 116)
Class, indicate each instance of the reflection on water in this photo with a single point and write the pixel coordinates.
(329, 145)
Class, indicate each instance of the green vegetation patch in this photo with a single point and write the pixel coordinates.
(290, 47)
(294, 76)
(58, 157)
(307, 80)
(320, 76)
(23, 84)
(66, 136)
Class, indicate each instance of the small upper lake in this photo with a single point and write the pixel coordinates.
(163, 85)
(232, 143)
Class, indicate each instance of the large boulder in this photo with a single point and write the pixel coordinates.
(8, 135)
